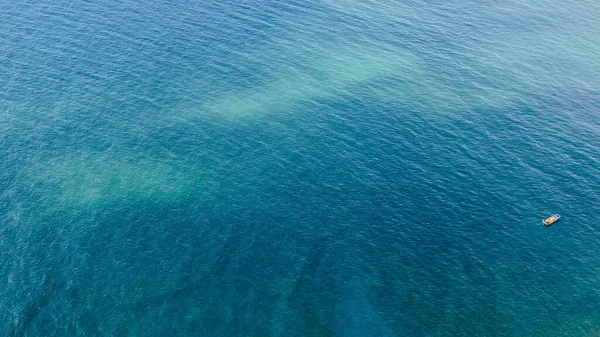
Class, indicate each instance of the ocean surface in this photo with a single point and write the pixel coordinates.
(293, 168)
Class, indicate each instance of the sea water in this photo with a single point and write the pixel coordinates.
(293, 168)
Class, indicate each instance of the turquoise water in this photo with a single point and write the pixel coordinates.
(291, 168)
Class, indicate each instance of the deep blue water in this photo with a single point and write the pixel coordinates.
(290, 168)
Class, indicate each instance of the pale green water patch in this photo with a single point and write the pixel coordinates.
(334, 75)
(94, 179)
(499, 58)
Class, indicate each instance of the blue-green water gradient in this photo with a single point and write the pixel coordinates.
(292, 168)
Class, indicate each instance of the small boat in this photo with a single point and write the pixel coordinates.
(551, 219)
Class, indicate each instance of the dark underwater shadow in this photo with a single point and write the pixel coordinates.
(49, 290)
